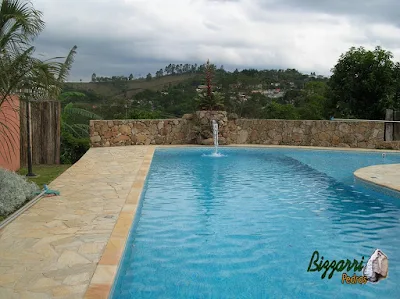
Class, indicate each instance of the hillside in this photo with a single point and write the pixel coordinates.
(122, 89)
(248, 93)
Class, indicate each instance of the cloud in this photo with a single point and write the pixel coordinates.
(364, 10)
(116, 37)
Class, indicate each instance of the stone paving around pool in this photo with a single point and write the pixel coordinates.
(70, 246)
(52, 250)
(381, 175)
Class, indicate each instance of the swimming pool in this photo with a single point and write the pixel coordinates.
(246, 225)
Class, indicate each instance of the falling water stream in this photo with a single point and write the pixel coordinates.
(215, 135)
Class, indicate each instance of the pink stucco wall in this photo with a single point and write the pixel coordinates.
(10, 134)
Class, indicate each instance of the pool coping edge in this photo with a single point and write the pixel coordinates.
(363, 175)
(102, 281)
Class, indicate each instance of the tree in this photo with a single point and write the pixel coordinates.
(94, 77)
(70, 125)
(74, 127)
(312, 101)
(159, 73)
(148, 77)
(20, 23)
(130, 77)
(210, 100)
(277, 111)
(361, 83)
(394, 100)
(20, 72)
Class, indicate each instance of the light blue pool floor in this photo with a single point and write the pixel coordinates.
(245, 225)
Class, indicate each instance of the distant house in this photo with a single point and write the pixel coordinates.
(201, 88)
(271, 93)
(257, 86)
(257, 91)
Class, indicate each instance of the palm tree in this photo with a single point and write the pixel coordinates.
(20, 23)
(20, 73)
(70, 113)
(74, 129)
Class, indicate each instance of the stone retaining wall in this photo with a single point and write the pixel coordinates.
(193, 129)
(360, 134)
(139, 132)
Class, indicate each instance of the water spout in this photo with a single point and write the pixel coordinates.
(215, 135)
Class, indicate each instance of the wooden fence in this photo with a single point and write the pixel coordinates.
(45, 120)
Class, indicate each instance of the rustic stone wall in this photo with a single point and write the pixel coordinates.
(360, 134)
(390, 145)
(139, 132)
(197, 129)
(202, 126)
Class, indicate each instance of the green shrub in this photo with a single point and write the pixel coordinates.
(213, 101)
(15, 191)
(72, 148)
(142, 114)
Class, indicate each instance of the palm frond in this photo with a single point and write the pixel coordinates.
(69, 109)
(68, 128)
(13, 69)
(81, 129)
(66, 66)
(68, 96)
(20, 23)
(77, 130)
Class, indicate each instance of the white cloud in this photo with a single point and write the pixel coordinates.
(119, 37)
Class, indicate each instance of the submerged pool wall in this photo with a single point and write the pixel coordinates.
(190, 130)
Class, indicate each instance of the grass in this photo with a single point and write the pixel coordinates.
(45, 173)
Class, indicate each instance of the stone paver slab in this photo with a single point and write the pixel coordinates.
(52, 250)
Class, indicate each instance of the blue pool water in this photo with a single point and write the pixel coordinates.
(246, 225)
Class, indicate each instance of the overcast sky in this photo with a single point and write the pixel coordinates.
(119, 37)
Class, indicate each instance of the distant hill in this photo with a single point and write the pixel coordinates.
(182, 83)
(123, 89)
(249, 93)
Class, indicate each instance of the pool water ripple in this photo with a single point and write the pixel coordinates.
(245, 226)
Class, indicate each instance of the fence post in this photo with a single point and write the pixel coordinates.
(389, 126)
(29, 139)
(396, 126)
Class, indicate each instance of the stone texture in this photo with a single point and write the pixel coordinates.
(197, 129)
(203, 130)
(107, 133)
(386, 175)
(52, 249)
(187, 116)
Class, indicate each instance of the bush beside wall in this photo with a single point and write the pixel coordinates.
(15, 191)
